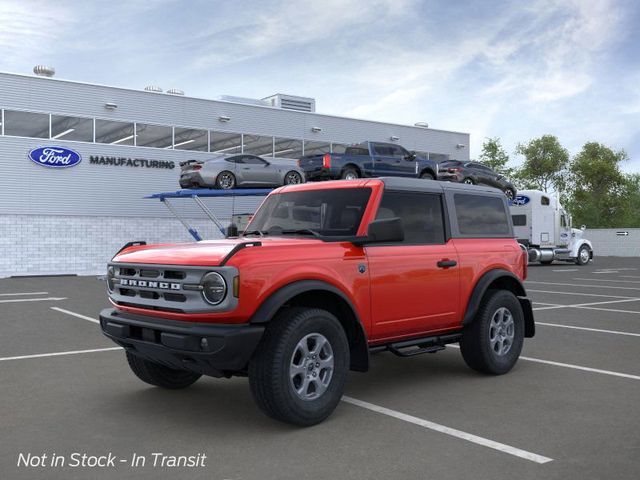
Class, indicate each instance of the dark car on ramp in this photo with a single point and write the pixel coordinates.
(474, 173)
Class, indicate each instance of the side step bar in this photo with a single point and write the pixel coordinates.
(416, 346)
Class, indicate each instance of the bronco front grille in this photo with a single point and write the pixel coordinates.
(167, 288)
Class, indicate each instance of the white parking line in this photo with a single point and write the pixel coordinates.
(629, 276)
(615, 332)
(567, 270)
(600, 279)
(580, 294)
(73, 314)
(48, 299)
(58, 354)
(583, 285)
(574, 367)
(611, 310)
(485, 442)
(22, 293)
(587, 305)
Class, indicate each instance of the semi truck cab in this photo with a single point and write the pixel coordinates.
(544, 227)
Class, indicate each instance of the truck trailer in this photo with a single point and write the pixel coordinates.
(544, 227)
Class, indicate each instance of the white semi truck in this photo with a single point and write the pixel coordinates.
(544, 228)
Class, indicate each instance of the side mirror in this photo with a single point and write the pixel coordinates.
(386, 230)
(411, 156)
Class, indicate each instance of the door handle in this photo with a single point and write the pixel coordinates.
(446, 263)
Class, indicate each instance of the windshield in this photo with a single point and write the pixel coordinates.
(335, 212)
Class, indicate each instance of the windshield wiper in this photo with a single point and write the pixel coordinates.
(254, 232)
(303, 231)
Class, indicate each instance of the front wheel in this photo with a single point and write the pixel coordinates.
(427, 176)
(584, 255)
(292, 178)
(225, 180)
(159, 375)
(299, 370)
(493, 341)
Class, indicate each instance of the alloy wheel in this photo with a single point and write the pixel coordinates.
(311, 367)
(501, 331)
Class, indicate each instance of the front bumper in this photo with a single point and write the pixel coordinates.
(180, 345)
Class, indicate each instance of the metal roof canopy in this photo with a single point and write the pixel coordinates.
(196, 195)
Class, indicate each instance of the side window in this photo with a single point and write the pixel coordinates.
(398, 151)
(519, 220)
(382, 150)
(252, 160)
(421, 215)
(237, 159)
(544, 201)
(480, 215)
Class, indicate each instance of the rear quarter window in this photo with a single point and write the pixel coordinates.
(481, 215)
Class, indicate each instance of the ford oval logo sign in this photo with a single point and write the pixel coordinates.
(55, 157)
(520, 200)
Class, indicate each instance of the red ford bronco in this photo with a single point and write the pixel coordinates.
(325, 275)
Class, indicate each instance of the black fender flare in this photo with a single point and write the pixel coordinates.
(358, 341)
(506, 280)
(429, 170)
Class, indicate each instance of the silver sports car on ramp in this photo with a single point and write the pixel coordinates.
(240, 170)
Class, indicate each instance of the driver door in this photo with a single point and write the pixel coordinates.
(257, 171)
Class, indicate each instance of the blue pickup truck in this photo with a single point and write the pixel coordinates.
(368, 159)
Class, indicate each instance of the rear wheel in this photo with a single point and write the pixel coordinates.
(225, 180)
(350, 173)
(469, 181)
(584, 255)
(510, 193)
(292, 178)
(427, 176)
(546, 262)
(299, 370)
(493, 341)
(159, 375)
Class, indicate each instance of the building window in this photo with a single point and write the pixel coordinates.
(157, 136)
(438, 157)
(257, 145)
(26, 124)
(316, 148)
(71, 128)
(225, 143)
(190, 139)
(115, 133)
(287, 148)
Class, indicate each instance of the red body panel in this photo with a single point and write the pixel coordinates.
(401, 292)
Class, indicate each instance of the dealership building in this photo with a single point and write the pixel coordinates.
(127, 144)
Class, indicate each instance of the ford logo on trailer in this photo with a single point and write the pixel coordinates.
(520, 200)
(55, 157)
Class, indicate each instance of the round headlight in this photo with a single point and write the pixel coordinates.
(111, 273)
(214, 288)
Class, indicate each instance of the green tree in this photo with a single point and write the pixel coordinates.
(545, 164)
(495, 157)
(600, 195)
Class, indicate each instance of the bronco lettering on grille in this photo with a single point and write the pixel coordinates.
(145, 283)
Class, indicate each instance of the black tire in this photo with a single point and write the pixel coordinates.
(427, 176)
(270, 367)
(547, 262)
(468, 181)
(225, 180)
(510, 193)
(476, 347)
(159, 375)
(583, 258)
(349, 173)
(292, 178)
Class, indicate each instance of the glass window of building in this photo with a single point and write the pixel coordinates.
(226, 143)
(338, 147)
(26, 124)
(257, 145)
(316, 148)
(287, 148)
(190, 139)
(115, 133)
(72, 128)
(157, 136)
(438, 157)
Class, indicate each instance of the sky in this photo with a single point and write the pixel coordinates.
(509, 69)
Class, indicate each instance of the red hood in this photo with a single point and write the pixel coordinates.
(207, 253)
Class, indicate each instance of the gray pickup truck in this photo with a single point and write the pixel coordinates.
(368, 159)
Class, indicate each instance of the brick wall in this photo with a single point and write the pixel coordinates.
(48, 245)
